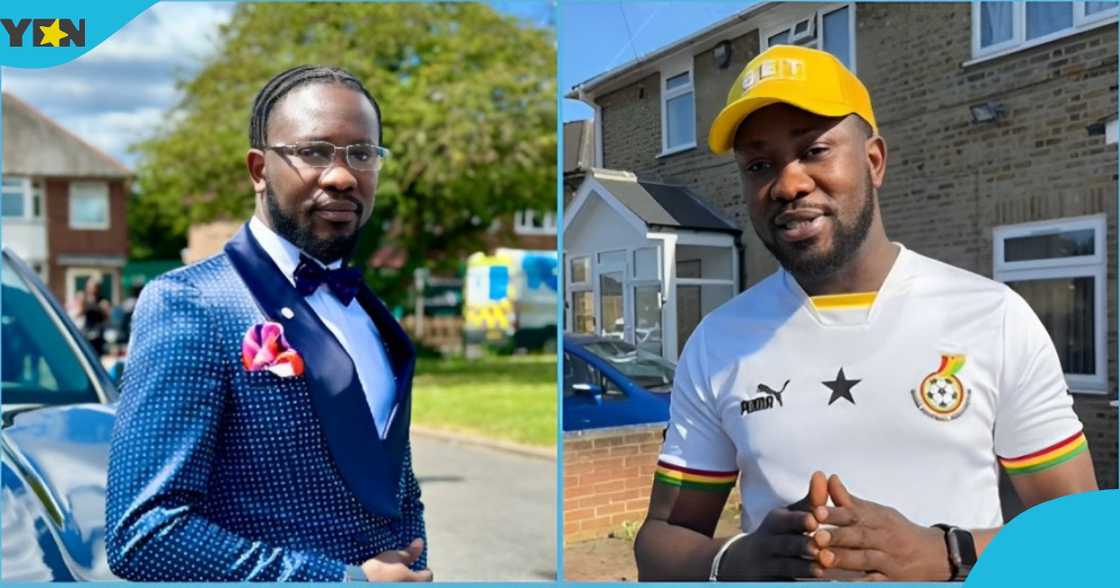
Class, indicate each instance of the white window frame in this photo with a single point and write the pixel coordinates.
(818, 42)
(523, 223)
(1095, 266)
(572, 287)
(669, 70)
(74, 187)
(1019, 41)
(32, 191)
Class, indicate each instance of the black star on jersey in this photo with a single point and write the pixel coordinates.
(841, 388)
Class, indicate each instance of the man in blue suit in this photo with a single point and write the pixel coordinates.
(262, 432)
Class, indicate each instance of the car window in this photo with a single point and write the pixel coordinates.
(644, 368)
(575, 372)
(38, 364)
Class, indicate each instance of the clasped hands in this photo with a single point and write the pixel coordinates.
(855, 539)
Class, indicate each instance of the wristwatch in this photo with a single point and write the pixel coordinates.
(962, 551)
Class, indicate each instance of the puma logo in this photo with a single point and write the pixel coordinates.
(764, 389)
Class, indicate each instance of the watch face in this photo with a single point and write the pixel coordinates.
(964, 549)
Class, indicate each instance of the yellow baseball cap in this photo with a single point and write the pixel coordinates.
(808, 79)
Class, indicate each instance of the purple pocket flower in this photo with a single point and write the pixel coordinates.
(265, 348)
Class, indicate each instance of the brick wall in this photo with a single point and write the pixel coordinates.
(62, 240)
(962, 178)
(608, 474)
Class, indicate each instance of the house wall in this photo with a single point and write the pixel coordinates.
(62, 240)
(632, 142)
(597, 228)
(944, 171)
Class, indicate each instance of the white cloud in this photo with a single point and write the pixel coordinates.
(177, 32)
(113, 132)
(119, 91)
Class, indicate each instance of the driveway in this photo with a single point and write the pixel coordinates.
(491, 514)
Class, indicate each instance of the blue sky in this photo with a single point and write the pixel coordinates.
(115, 93)
(598, 36)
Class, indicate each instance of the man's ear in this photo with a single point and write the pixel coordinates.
(254, 162)
(876, 149)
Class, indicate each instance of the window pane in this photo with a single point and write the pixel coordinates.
(647, 318)
(39, 363)
(837, 41)
(681, 122)
(580, 268)
(995, 23)
(89, 211)
(13, 204)
(583, 313)
(1067, 244)
(610, 305)
(1044, 18)
(677, 81)
(693, 303)
(781, 38)
(1065, 306)
(645, 263)
(688, 269)
(1095, 7)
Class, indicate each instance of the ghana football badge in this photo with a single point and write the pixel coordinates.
(941, 394)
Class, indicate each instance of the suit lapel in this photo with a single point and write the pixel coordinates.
(370, 467)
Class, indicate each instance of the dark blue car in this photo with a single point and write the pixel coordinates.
(608, 383)
(57, 421)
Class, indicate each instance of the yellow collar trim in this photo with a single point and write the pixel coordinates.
(843, 301)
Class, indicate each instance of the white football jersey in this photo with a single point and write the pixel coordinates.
(912, 395)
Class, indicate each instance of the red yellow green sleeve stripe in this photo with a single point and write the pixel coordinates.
(694, 479)
(1060, 452)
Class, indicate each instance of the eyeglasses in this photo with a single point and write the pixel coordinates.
(359, 156)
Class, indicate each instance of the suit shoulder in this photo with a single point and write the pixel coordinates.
(195, 279)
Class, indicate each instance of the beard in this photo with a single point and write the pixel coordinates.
(847, 238)
(299, 233)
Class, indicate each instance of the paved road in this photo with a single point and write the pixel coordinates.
(491, 514)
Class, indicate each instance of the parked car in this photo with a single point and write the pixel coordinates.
(609, 383)
(57, 422)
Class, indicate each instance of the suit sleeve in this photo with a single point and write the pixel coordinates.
(162, 451)
(412, 511)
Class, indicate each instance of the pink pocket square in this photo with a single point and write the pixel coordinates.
(265, 348)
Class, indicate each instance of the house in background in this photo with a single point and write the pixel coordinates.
(1000, 122)
(64, 204)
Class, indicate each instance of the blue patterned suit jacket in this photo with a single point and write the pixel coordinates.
(218, 473)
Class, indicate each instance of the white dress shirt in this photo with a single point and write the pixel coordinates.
(349, 324)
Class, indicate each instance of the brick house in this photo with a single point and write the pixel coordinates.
(64, 203)
(1000, 123)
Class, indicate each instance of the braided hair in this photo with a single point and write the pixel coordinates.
(285, 82)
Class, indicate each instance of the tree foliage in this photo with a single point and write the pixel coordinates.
(468, 101)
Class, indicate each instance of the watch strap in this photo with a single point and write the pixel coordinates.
(961, 549)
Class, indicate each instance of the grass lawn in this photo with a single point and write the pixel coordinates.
(502, 397)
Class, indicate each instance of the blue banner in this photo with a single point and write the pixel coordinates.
(51, 32)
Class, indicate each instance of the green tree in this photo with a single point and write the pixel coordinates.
(469, 107)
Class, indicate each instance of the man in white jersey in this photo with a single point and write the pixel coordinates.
(908, 380)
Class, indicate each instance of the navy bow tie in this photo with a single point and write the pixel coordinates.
(343, 282)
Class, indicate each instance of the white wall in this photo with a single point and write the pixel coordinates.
(27, 238)
(597, 227)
